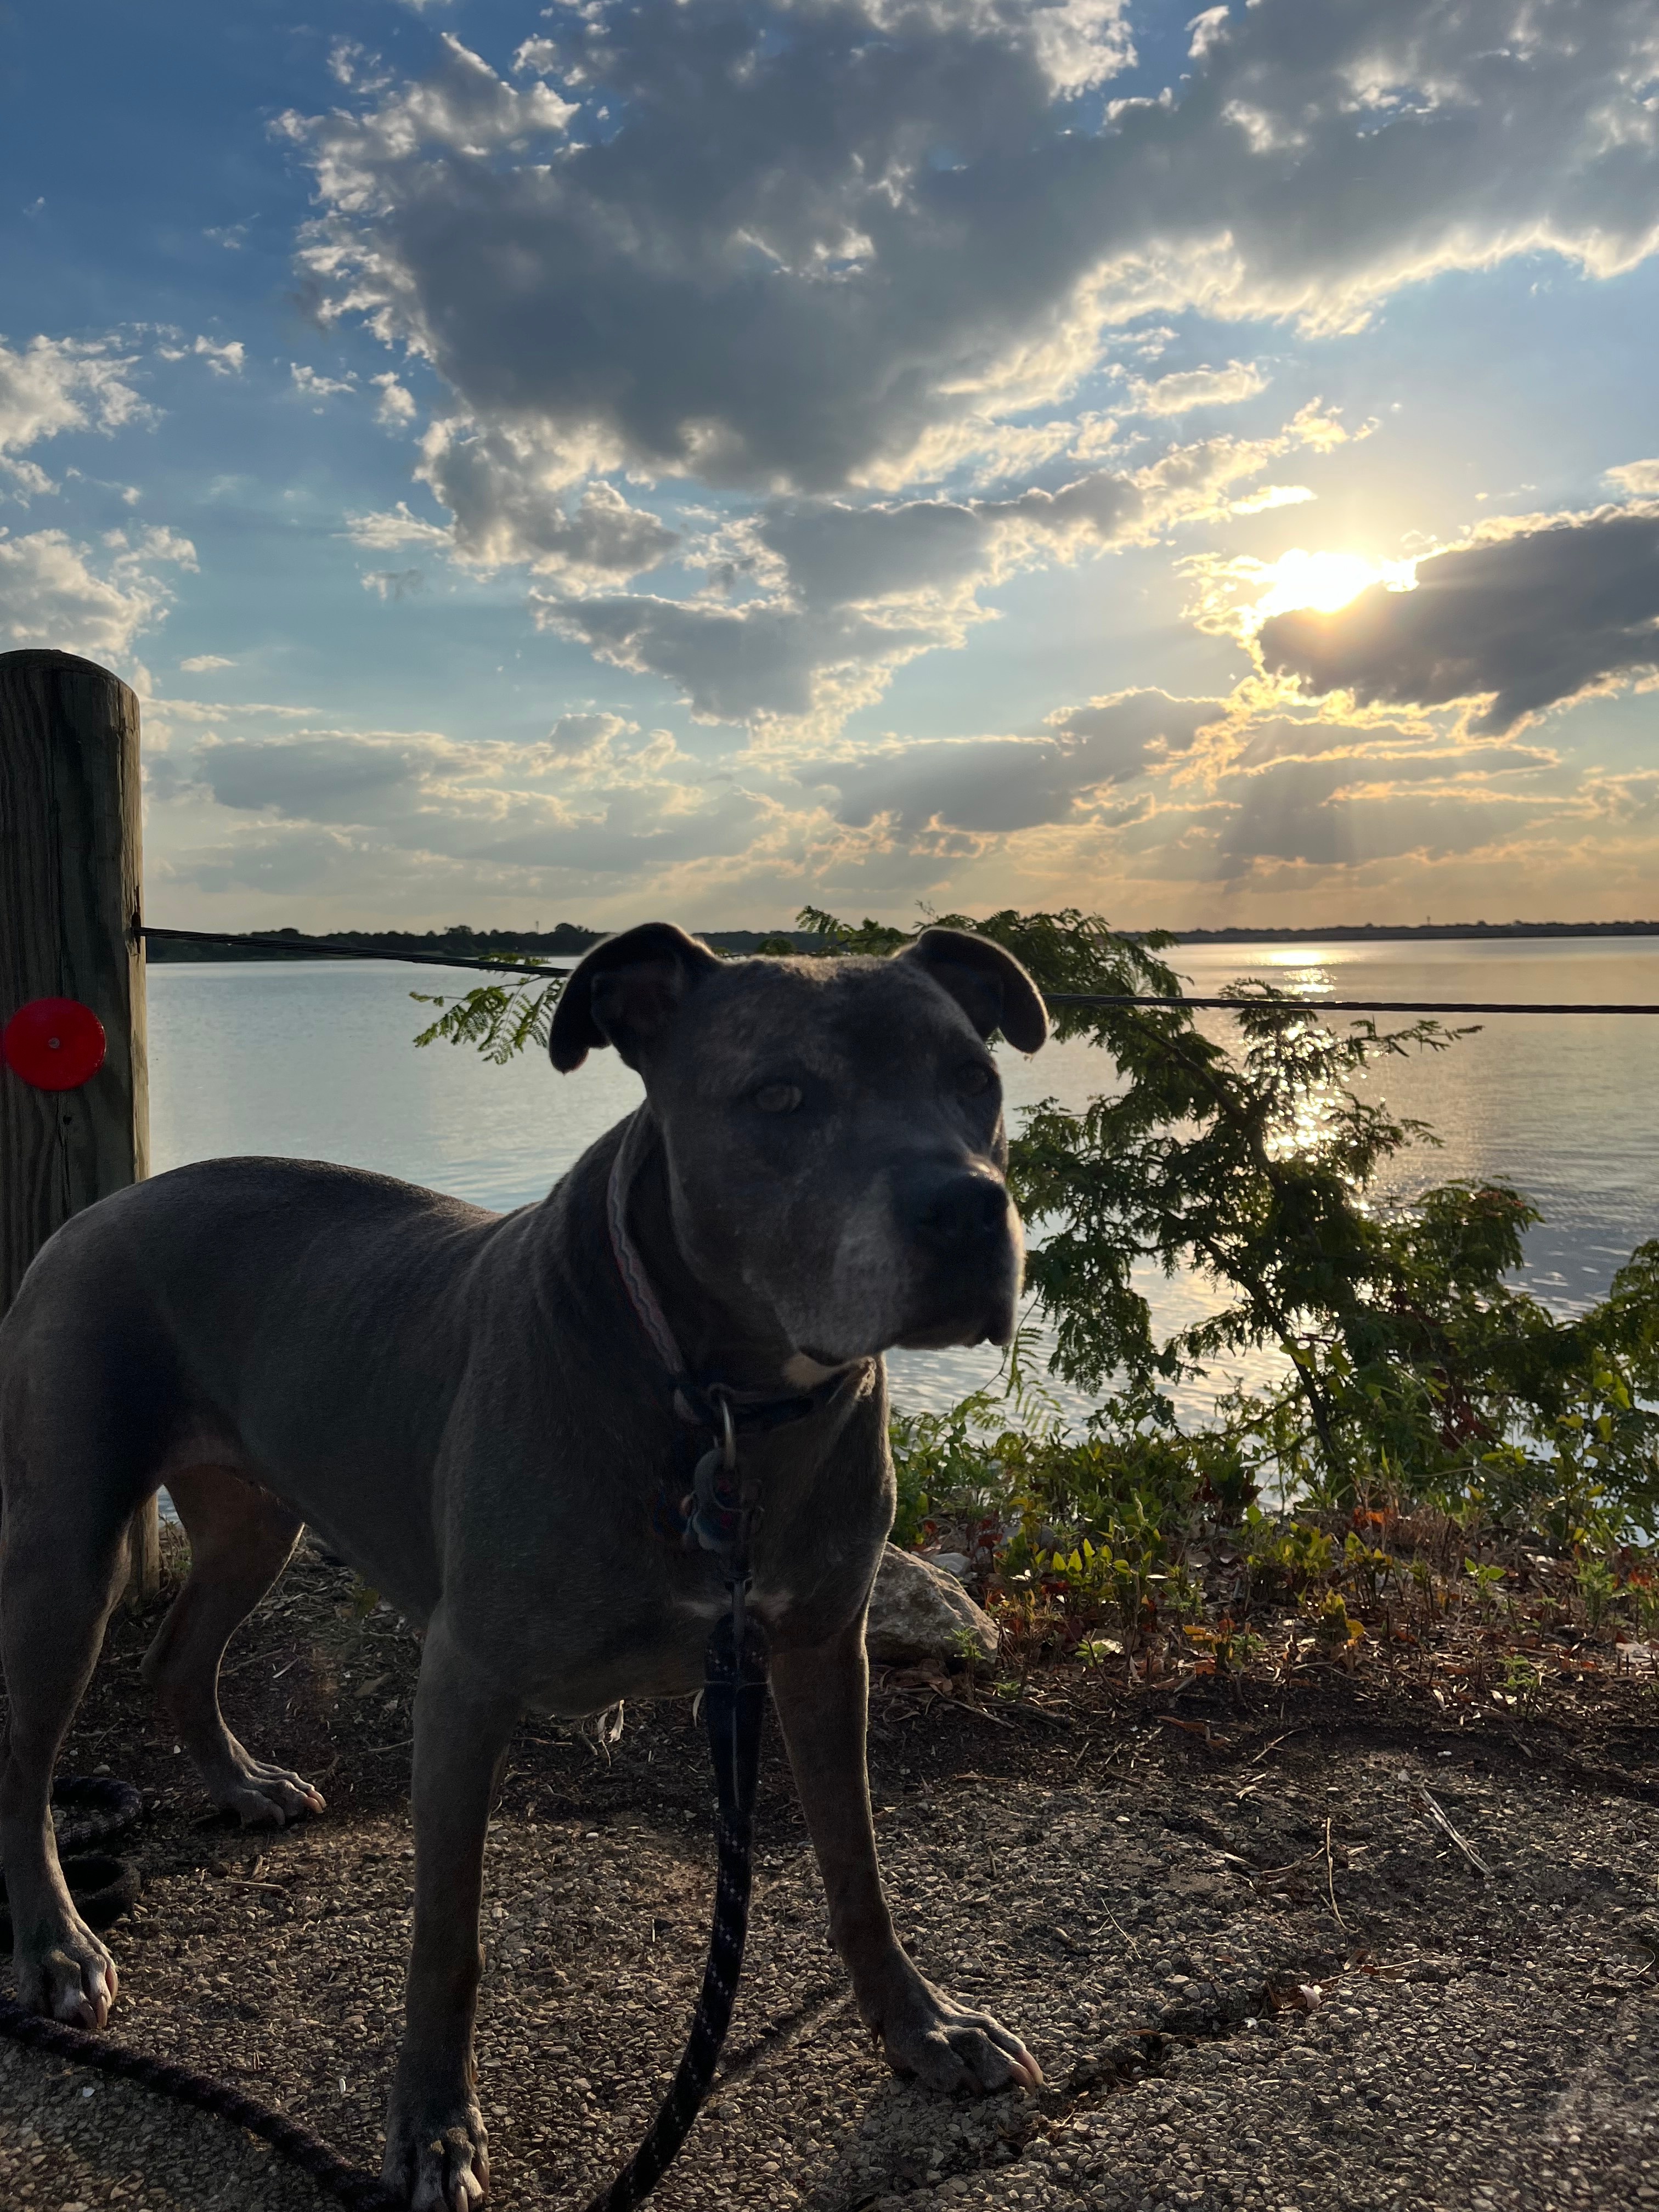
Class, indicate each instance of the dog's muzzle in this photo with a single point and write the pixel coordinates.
(965, 1236)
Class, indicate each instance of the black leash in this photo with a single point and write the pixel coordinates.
(718, 1519)
(733, 1702)
(712, 1516)
(733, 1708)
(103, 1888)
(362, 2191)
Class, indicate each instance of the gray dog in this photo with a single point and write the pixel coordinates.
(484, 1414)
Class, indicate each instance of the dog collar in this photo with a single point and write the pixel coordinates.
(710, 1405)
(641, 1294)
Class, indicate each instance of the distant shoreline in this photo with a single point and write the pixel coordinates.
(1388, 932)
(569, 941)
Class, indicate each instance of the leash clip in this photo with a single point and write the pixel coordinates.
(715, 1519)
(721, 1521)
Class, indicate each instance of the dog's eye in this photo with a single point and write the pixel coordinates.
(777, 1097)
(974, 1078)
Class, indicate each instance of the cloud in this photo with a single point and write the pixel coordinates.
(511, 502)
(309, 385)
(1206, 787)
(839, 595)
(1187, 388)
(1628, 801)
(335, 776)
(586, 737)
(394, 583)
(762, 662)
(1639, 478)
(226, 359)
(790, 247)
(56, 593)
(396, 406)
(1533, 611)
(464, 111)
(801, 607)
(597, 803)
(980, 788)
(54, 385)
(1344, 812)
(383, 534)
(200, 664)
(1140, 786)
(377, 778)
(1148, 797)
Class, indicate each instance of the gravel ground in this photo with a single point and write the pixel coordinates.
(1257, 1976)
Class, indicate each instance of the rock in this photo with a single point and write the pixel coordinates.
(917, 1612)
(952, 1562)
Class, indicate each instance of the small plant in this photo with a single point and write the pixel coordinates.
(1598, 1587)
(1423, 1580)
(1367, 1565)
(1522, 1681)
(1224, 1646)
(1488, 1581)
(1097, 1575)
(1333, 1624)
(1289, 1558)
(1183, 1593)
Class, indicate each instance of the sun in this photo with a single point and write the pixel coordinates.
(1322, 582)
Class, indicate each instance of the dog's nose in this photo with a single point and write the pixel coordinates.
(961, 1217)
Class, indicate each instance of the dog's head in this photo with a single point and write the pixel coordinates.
(833, 1127)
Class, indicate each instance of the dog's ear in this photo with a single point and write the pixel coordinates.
(625, 992)
(989, 984)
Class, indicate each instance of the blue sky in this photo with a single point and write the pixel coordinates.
(587, 462)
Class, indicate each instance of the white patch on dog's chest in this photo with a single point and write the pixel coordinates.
(801, 1372)
(708, 1606)
(771, 1601)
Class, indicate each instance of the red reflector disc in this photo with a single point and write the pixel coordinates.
(53, 1044)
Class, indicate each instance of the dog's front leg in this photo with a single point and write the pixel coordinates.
(435, 2144)
(822, 1698)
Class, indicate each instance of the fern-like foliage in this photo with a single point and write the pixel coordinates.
(497, 1019)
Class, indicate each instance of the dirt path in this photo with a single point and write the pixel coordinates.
(1235, 2005)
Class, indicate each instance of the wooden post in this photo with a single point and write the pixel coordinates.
(70, 888)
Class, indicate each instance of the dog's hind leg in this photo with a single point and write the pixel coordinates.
(241, 1539)
(61, 1573)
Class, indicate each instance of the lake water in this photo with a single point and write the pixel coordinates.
(315, 1060)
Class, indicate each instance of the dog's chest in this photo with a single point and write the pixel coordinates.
(774, 1601)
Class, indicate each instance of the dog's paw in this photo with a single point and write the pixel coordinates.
(924, 2032)
(73, 1979)
(262, 1796)
(439, 2160)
